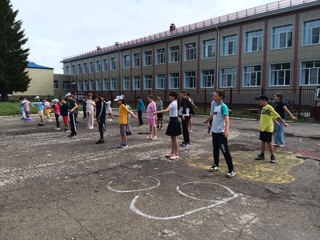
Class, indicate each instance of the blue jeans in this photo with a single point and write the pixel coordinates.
(279, 134)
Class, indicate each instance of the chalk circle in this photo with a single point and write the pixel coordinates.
(156, 184)
(202, 184)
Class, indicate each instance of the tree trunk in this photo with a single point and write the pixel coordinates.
(4, 96)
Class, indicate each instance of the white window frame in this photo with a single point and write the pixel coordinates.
(91, 84)
(91, 67)
(79, 85)
(207, 75)
(315, 69)
(251, 74)
(160, 77)
(309, 31)
(174, 77)
(98, 85)
(105, 65)
(113, 64)
(279, 72)
(85, 85)
(251, 37)
(79, 68)
(208, 48)
(160, 56)
(98, 66)
(126, 83)
(85, 68)
(105, 84)
(66, 85)
(228, 42)
(73, 69)
(126, 61)
(278, 32)
(113, 84)
(228, 75)
(190, 51)
(56, 84)
(135, 80)
(174, 54)
(67, 70)
(136, 60)
(190, 80)
(147, 58)
(147, 78)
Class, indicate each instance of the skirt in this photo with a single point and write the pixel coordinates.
(174, 127)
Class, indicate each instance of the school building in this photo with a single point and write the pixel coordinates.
(265, 49)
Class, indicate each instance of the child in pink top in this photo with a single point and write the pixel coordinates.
(151, 109)
(56, 110)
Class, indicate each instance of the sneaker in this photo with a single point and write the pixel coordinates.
(188, 144)
(70, 135)
(183, 144)
(154, 138)
(124, 145)
(174, 157)
(120, 146)
(281, 146)
(68, 131)
(158, 126)
(100, 141)
(39, 124)
(231, 174)
(214, 168)
(190, 130)
(273, 159)
(260, 157)
(169, 155)
(57, 129)
(149, 137)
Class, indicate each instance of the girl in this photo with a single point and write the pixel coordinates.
(191, 110)
(280, 108)
(64, 114)
(159, 104)
(123, 121)
(47, 107)
(109, 110)
(151, 109)
(174, 127)
(40, 106)
(56, 110)
(90, 110)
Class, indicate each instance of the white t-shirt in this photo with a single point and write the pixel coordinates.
(108, 104)
(90, 106)
(173, 109)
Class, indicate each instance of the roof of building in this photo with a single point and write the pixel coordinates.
(225, 20)
(34, 65)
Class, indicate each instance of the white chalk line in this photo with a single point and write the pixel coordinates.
(134, 190)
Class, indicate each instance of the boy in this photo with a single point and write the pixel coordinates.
(40, 106)
(151, 109)
(73, 106)
(185, 114)
(220, 133)
(123, 120)
(159, 104)
(141, 108)
(64, 113)
(268, 115)
(100, 116)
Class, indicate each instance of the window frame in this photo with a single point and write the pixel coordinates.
(126, 61)
(190, 51)
(126, 84)
(149, 79)
(234, 75)
(174, 54)
(147, 55)
(286, 32)
(278, 70)
(212, 76)
(205, 48)
(113, 64)
(176, 78)
(105, 84)
(259, 38)
(312, 28)
(113, 81)
(226, 42)
(192, 77)
(309, 75)
(257, 73)
(136, 59)
(136, 79)
(157, 81)
(160, 55)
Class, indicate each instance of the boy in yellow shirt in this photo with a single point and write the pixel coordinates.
(123, 120)
(267, 118)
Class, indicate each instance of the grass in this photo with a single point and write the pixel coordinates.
(12, 108)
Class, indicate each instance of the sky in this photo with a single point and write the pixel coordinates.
(61, 28)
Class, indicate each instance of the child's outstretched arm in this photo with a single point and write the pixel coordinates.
(227, 125)
(162, 111)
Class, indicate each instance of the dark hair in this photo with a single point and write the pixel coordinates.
(138, 97)
(279, 95)
(150, 96)
(183, 92)
(124, 101)
(188, 94)
(173, 94)
(220, 94)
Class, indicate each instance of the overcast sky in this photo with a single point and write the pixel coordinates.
(60, 28)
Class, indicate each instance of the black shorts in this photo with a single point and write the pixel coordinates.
(265, 136)
(160, 116)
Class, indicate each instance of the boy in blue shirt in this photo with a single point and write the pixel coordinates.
(220, 133)
(141, 107)
(40, 108)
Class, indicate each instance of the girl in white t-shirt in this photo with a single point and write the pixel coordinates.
(174, 126)
(109, 110)
(90, 110)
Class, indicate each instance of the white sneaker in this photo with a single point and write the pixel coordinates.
(231, 174)
(154, 138)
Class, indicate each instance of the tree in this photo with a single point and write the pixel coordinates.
(13, 57)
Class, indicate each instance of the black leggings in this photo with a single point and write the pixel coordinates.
(57, 120)
(185, 129)
(219, 141)
(140, 117)
(101, 124)
(72, 117)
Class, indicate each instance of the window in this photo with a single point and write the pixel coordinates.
(147, 82)
(160, 56)
(280, 74)
(174, 54)
(126, 61)
(229, 45)
(209, 48)
(79, 85)
(174, 80)
(190, 52)
(105, 64)
(160, 81)
(310, 72)
(91, 67)
(91, 85)
(66, 85)
(85, 68)
(282, 37)
(79, 69)
(67, 69)
(126, 83)
(56, 84)
(113, 64)
(114, 84)
(252, 76)
(136, 60)
(105, 84)
(98, 85)
(207, 79)
(98, 66)
(85, 85)
(254, 41)
(228, 78)
(190, 79)
(136, 83)
(311, 32)
(147, 58)
(73, 69)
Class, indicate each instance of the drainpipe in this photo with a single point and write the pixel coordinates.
(217, 58)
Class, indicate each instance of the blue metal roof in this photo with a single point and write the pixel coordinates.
(34, 65)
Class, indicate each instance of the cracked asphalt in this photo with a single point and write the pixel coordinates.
(52, 187)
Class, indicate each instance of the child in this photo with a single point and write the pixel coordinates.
(40, 106)
(56, 110)
(123, 121)
(26, 107)
(151, 109)
(174, 127)
(47, 107)
(141, 108)
(64, 113)
(128, 131)
(220, 133)
(159, 104)
(212, 106)
(84, 107)
(100, 116)
(73, 106)
(268, 115)
(109, 110)
(90, 111)
(280, 108)
(191, 110)
(185, 114)
(22, 111)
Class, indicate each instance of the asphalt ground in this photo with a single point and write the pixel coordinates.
(53, 187)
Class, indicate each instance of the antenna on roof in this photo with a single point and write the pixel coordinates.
(99, 48)
(172, 27)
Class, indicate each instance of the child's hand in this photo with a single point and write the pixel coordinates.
(294, 118)
(155, 113)
(135, 117)
(286, 124)
(226, 133)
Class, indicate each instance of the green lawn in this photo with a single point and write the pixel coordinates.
(12, 108)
